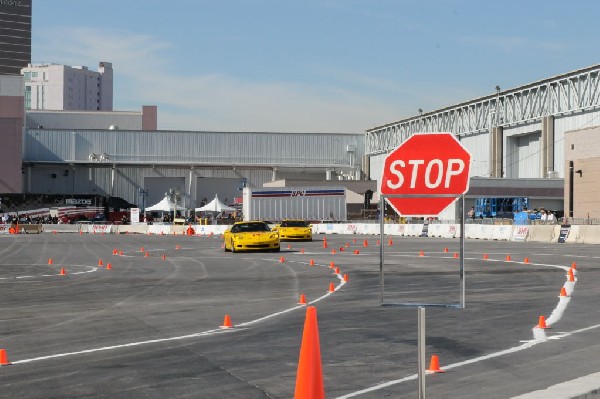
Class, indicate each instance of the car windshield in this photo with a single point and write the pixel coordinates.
(250, 227)
(293, 223)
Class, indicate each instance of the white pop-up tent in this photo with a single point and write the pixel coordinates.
(215, 206)
(165, 205)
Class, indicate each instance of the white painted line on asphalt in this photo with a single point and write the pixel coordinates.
(91, 270)
(508, 351)
(539, 336)
(237, 327)
(107, 348)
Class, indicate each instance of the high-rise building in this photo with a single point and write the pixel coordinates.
(15, 36)
(15, 53)
(57, 87)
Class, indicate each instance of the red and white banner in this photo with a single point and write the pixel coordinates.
(520, 233)
(100, 228)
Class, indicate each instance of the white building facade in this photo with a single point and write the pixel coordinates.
(57, 87)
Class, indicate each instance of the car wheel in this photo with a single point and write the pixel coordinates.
(225, 247)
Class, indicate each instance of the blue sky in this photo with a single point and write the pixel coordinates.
(312, 66)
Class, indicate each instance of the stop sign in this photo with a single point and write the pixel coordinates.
(430, 164)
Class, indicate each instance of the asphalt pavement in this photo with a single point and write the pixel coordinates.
(149, 326)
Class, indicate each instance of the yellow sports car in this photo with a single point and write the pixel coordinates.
(250, 236)
(291, 230)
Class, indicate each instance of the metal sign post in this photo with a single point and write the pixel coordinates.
(421, 319)
(421, 345)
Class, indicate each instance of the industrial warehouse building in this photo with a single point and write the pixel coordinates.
(125, 163)
(516, 135)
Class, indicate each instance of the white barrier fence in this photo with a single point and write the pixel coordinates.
(580, 234)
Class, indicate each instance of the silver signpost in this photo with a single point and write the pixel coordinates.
(421, 331)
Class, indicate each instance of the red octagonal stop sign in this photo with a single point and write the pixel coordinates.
(426, 163)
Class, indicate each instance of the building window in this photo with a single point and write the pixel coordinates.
(27, 97)
(27, 76)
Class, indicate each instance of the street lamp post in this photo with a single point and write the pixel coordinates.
(143, 194)
(174, 196)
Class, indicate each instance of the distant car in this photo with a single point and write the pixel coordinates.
(250, 236)
(294, 230)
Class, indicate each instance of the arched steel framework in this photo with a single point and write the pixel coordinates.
(573, 92)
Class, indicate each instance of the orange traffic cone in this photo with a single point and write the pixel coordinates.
(163, 257)
(63, 272)
(177, 246)
(302, 250)
(378, 243)
(366, 243)
(508, 258)
(345, 278)
(80, 232)
(309, 379)
(574, 266)
(486, 256)
(390, 242)
(526, 260)
(121, 253)
(434, 365)
(347, 245)
(455, 255)
(333, 251)
(354, 241)
(141, 249)
(50, 261)
(331, 287)
(542, 323)
(115, 251)
(281, 259)
(302, 300)
(421, 253)
(312, 262)
(227, 322)
(563, 292)
(336, 270)
(4, 358)
(571, 275)
(342, 249)
(324, 242)
(356, 252)
(108, 266)
(100, 263)
(289, 246)
(331, 265)
(146, 254)
(446, 249)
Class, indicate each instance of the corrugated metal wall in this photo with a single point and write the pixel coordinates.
(59, 161)
(479, 147)
(194, 147)
(522, 151)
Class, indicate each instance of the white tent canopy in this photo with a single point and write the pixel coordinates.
(215, 206)
(165, 205)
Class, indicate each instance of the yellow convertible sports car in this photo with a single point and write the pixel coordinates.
(294, 230)
(250, 236)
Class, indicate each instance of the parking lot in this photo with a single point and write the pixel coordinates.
(148, 326)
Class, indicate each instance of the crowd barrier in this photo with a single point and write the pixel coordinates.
(580, 234)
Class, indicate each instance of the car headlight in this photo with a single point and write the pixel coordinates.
(274, 236)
